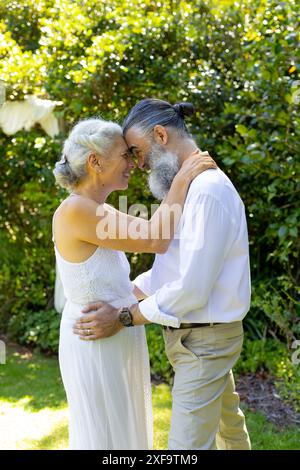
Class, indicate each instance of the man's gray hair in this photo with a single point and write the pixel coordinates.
(148, 113)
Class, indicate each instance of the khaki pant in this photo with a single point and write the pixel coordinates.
(205, 410)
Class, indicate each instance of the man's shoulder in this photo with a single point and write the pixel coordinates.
(210, 182)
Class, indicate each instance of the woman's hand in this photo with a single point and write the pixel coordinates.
(195, 164)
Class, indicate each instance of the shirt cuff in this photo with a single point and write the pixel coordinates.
(143, 282)
(150, 310)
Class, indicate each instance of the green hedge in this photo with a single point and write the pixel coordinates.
(237, 62)
(36, 329)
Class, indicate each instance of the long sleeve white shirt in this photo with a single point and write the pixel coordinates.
(204, 276)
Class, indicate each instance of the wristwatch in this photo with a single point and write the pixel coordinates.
(125, 317)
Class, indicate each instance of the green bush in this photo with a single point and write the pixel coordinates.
(275, 358)
(260, 355)
(161, 369)
(37, 329)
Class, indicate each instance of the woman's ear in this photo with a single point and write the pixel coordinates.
(160, 135)
(94, 162)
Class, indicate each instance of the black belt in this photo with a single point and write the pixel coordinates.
(190, 325)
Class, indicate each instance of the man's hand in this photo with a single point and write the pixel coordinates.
(102, 323)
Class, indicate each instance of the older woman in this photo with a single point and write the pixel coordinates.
(107, 381)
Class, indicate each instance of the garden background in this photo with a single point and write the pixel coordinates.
(238, 63)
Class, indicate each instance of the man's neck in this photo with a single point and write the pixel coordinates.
(185, 148)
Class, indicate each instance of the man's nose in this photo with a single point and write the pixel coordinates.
(141, 162)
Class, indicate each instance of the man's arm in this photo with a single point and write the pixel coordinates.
(207, 234)
(104, 321)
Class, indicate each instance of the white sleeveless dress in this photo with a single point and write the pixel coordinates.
(107, 381)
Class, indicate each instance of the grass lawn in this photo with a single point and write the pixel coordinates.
(34, 415)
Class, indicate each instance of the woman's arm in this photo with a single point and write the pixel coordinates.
(107, 227)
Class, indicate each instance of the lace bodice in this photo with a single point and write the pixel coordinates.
(103, 276)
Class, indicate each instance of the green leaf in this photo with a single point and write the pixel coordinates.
(242, 130)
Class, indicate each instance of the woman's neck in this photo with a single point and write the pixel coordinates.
(96, 193)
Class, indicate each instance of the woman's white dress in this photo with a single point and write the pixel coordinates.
(107, 381)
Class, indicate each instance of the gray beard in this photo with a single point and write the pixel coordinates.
(164, 166)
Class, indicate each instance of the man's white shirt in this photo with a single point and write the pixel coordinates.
(204, 276)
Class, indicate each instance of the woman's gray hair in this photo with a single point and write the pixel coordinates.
(148, 113)
(89, 136)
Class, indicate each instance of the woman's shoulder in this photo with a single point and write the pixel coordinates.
(75, 206)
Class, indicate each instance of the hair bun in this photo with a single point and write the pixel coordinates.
(64, 175)
(184, 109)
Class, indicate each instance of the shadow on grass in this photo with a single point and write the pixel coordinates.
(57, 439)
(33, 379)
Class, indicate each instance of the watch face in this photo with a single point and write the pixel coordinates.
(125, 317)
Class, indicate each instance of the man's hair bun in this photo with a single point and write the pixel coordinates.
(184, 109)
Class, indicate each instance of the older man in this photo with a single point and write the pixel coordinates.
(199, 290)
